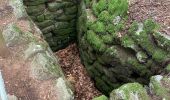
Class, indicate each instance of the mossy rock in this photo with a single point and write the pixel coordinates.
(133, 56)
(55, 18)
(111, 58)
(102, 97)
(130, 91)
(159, 85)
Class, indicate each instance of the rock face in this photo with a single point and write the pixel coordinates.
(56, 19)
(112, 53)
(115, 54)
(22, 36)
(130, 91)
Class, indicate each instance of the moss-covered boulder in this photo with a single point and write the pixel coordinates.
(130, 91)
(159, 85)
(56, 19)
(114, 54)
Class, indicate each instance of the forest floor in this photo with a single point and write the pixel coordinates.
(76, 73)
(16, 74)
(159, 10)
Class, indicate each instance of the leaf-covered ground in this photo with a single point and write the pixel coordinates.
(76, 73)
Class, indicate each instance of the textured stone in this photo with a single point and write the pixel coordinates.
(24, 41)
(18, 7)
(159, 85)
(64, 92)
(12, 35)
(113, 56)
(130, 91)
(61, 14)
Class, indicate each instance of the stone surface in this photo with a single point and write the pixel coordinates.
(12, 35)
(24, 41)
(130, 91)
(64, 92)
(12, 97)
(113, 54)
(159, 85)
(18, 7)
(57, 18)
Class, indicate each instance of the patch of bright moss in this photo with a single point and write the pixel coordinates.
(95, 41)
(158, 88)
(104, 16)
(118, 7)
(98, 27)
(99, 6)
(102, 97)
(107, 38)
(130, 91)
(159, 55)
(150, 26)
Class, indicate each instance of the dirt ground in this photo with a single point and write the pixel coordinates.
(159, 10)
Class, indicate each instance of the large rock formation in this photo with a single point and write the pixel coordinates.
(25, 42)
(115, 54)
(56, 19)
(112, 53)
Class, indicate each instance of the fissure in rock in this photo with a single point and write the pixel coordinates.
(112, 53)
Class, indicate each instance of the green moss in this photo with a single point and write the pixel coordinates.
(40, 18)
(54, 6)
(167, 68)
(159, 55)
(107, 38)
(87, 2)
(104, 16)
(129, 92)
(110, 28)
(98, 27)
(95, 41)
(133, 28)
(163, 40)
(99, 6)
(128, 42)
(118, 7)
(119, 26)
(158, 88)
(48, 15)
(150, 26)
(102, 97)
(101, 85)
(139, 68)
(35, 10)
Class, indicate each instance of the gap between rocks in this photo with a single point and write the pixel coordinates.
(76, 73)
